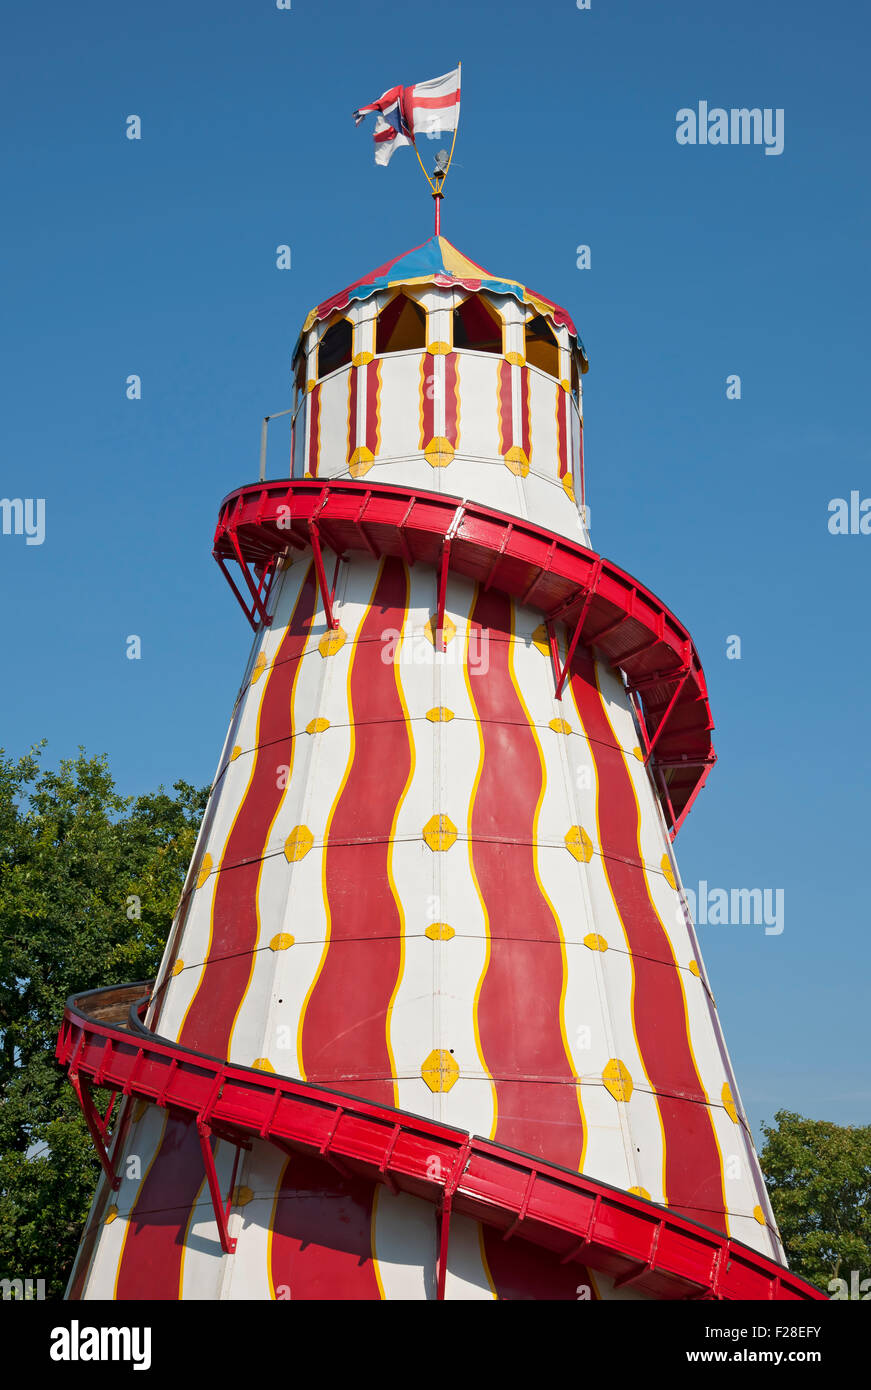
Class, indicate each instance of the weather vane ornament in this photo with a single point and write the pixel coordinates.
(403, 113)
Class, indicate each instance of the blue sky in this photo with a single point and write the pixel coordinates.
(157, 257)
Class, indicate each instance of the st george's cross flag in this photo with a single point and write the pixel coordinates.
(403, 113)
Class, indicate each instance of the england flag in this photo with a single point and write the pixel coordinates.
(403, 113)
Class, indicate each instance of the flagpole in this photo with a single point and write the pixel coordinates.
(397, 97)
(442, 175)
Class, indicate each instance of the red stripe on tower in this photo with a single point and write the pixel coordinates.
(520, 1272)
(353, 388)
(428, 383)
(525, 412)
(562, 431)
(314, 436)
(373, 405)
(693, 1172)
(344, 1025)
(155, 1244)
(505, 407)
(321, 1245)
(209, 1020)
(520, 997)
(452, 399)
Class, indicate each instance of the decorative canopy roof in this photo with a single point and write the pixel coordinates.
(437, 262)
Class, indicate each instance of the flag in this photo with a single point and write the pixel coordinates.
(402, 113)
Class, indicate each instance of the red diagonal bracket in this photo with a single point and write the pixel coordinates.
(451, 1184)
(439, 640)
(96, 1129)
(228, 1242)
(591, 593)
(256, 593)
(683, 674)
(326, 595)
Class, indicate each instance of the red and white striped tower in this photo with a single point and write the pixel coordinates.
(432, 1021)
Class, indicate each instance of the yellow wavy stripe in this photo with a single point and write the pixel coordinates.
(423, 375)
(185, 1245)
(457, 398)
(326, 839)
(619, 916)
(373, 1243)
(133, 1205)
(377, 406)
(390, 877)
(269, 671)
(469, 841)
(541, 888)
(284, 789)
(271, 1236)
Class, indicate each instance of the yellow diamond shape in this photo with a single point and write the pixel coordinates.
(439, 833)
(317, 726)
(439, 452)
(259, 668)
(694, 969)
(332, 641)
(760, 1215)
(205, 870)
(637, 753)
(729, 1105)
(640, 1192)
(561, 726)
(579, 844)
(298, 843)
(361, 461)
(667, 871)
(569, 487)
(617, 1079)
(595, 942)
(235, 753)
(516, 461)
(242, 1196)
(449, 629)
(440, 1071)
(440, 715)
(541, 640)
(262, 1064)
(282, 942)
(439, 931)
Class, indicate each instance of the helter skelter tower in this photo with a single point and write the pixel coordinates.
(432, 1021)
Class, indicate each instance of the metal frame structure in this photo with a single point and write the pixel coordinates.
(602, 606)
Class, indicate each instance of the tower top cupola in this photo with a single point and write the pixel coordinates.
(431, 372)
(438, 262)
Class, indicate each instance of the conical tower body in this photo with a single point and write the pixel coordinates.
(432, 1020)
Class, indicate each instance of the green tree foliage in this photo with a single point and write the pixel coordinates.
(89, 883)
(819, 1178)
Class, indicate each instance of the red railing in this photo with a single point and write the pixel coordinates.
(602, 606)
(575, 1218)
